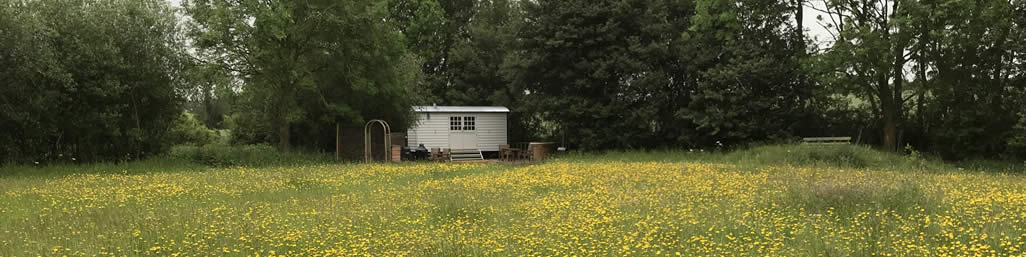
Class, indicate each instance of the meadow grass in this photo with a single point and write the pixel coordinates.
(764, 201)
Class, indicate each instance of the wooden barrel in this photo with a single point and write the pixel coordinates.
(541, 150)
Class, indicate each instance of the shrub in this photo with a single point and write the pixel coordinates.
(188, 130)
(247, 128)
(1017, 142)
(838, 156)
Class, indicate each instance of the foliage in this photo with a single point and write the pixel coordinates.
(480, 66)
(936, 73)
(1018, 139)
(591, 67)
(974, 102)
(108, 79)
(248, 129)
(612, 74)
(868, 57)
(750, 83)
(312, 64)
(468, 48)
(431, 28)
(477, 64)
(96, 80)
(188, 130)
(211, 95)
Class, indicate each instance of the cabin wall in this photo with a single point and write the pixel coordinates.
(433, 132)
(491, 131)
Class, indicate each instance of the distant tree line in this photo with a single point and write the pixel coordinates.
(109, 79)
(943, 76)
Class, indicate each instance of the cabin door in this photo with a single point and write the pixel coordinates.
(463, 132)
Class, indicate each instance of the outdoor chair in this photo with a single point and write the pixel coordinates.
(526, 153)
(436, 154)
(505, 153)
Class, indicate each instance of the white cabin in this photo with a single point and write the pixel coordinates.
(459, 127)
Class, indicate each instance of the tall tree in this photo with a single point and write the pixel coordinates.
(612, 74)
(582, 66)
(871, 48)
(798, 7)
(433, 30)
(477, 62)
(210, 96)
(98, 79)
(478, 69)
(749, 86)
(942, 67)
(970, 52)
(292, 56)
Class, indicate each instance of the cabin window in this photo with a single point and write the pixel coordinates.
(455, 123)
(469, 123)
(462, 123)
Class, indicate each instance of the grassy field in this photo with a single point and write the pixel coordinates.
(769, 201)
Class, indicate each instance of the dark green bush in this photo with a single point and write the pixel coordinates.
(1017, 143)
(190, 131)
(838, 156)
(94, 80)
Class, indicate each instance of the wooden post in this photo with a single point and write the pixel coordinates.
(388, 141)
(366, 142)
(338, 142)
(397, 153)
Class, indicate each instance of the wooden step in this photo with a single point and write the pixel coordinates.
(465, 155)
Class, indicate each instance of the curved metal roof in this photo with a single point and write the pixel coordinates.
(460, 109)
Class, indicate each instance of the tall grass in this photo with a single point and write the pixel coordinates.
(193, 158)
(161, 164)
(248, 155)
(180, 159)
(798, 155)
(791, 200)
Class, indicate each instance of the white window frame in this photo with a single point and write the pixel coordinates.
(470, 123)
(455, 123)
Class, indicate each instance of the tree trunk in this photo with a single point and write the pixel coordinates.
(138, 127)
(338, 141)
(285, 98)
(799, 16)
(895, 108)
(890, 130)
(283, 135)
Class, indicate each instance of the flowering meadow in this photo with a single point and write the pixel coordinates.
(564, 207)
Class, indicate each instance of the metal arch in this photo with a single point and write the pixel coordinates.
(367, 140)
